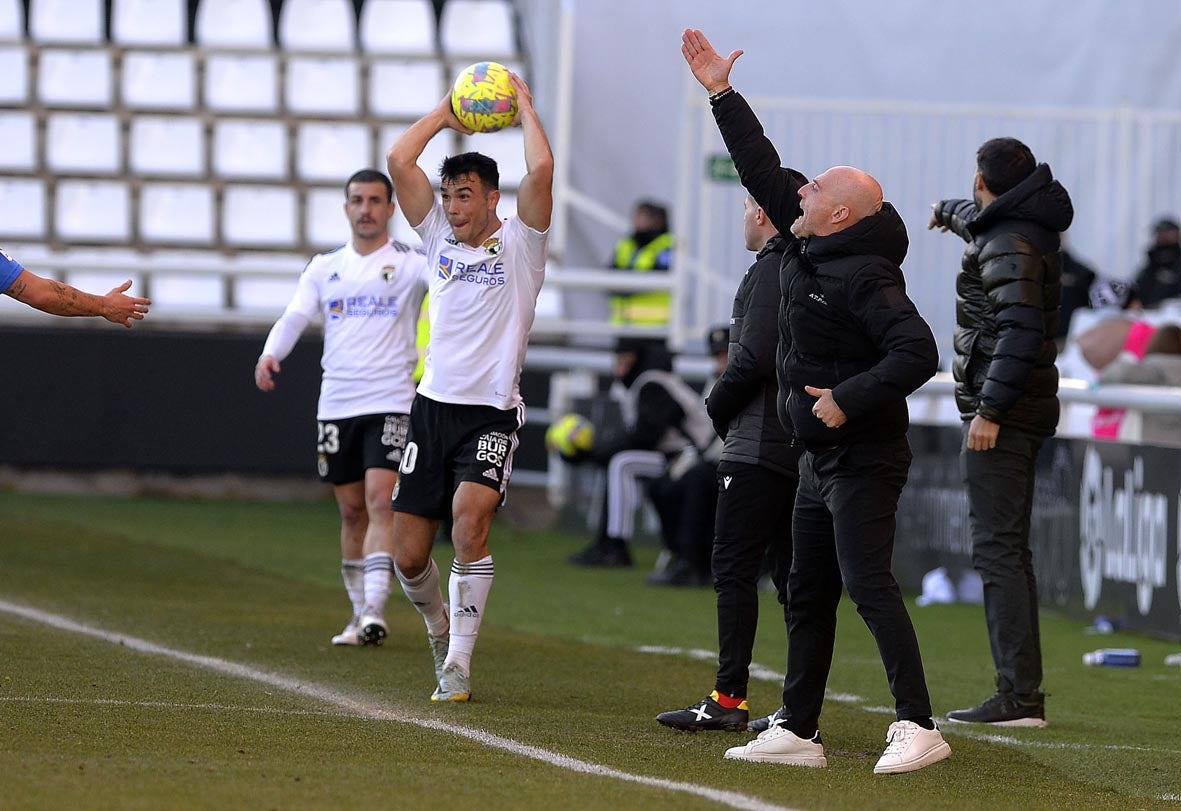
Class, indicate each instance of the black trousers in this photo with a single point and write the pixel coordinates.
(843, 532)
(1000, 485)
(686, 507)
(753, 523)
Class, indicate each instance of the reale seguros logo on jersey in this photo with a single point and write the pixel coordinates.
(490, 274)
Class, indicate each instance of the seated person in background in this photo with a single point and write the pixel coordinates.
(1160, 366)
(1125, 335)
(648, 248)
(662, 417)
(1077, 278)
(686, 498)
(1160, 277)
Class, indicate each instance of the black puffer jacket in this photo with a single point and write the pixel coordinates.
(1007, 297)
(742, 403)
(845, 320)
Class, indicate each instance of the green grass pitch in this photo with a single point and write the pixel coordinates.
(224, 692)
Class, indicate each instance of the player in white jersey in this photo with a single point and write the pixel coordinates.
(368, 294)
(485, 277)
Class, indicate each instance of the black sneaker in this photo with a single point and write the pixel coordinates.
(1005, 710)
(763, 724)
(707, 714)
(679, 573)
(606, 552)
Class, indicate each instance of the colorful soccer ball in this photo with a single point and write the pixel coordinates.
(570, 435)
(483, 98)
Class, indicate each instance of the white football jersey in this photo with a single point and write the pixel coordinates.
(369, 306)
(481, 309)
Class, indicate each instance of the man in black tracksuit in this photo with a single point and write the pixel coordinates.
(757, 479)
(1007, 296)
(852, 346)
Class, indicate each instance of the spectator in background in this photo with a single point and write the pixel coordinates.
(1006, 387)
(368, 293)
(663, 418)
(1122, 335)
(1160, 277)
(59, 298)
(647, 249)
(686, 498)
(1160, 366)
(1077, 278)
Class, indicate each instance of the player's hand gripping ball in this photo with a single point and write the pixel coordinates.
(483, 98)
(570, 436)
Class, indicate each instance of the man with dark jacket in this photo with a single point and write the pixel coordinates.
(757, 479)
(1160, 278)
(852, 346)
(1007, 295)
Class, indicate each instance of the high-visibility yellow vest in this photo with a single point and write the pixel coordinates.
(646, 308)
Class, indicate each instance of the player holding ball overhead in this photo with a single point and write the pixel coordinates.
(486, 274)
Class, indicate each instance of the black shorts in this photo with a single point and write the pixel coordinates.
(346, 448)
(451, 443)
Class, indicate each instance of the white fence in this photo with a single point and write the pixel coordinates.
(1122, 168)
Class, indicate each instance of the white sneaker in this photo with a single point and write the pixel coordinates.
(454, 685)
(909, 748)
(778, 745)
(373, 629)
(351, 635)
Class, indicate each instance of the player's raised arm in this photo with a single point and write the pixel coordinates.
(411, 185)
(535, 196)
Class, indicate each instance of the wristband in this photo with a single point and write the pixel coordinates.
(714, 98)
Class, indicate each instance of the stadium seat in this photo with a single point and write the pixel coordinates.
(326, 85)
(507, 147)
(399, 27)
(262, 216)
(148, 22)
(86, 143)
(478, 29)
(166, 145)
(18, 133)
(14, 76)
(250, 149)
(403, 88)
(92, 211)
(324, 218)
(22, 208)
(158, 81)
(436, 150)
(241, 83)
(233, 24)
(74, 78)
(66, 20)
(176, 213)
(12, 21)
(329, 152)
(317, 25)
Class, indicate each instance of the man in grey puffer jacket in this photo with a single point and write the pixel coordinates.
(1007, 300)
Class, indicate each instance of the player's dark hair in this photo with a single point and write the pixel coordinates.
(471, 163)
(1003, 163)
(370, 176)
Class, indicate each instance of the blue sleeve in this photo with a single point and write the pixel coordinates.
(9, 270)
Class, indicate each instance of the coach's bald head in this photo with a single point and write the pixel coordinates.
(835, 200)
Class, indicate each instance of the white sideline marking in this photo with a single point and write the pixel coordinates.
(169, 705)
(363, 708)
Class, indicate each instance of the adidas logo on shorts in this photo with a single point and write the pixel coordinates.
(490, 473)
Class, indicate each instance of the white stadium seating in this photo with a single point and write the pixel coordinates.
(255, 149)
(69, 78)
(330, 152)
(261, 216)
(176, 213)
(166, 145)
(92, 211)
(83, 143)
(402, 27)
(478, 29)
(18, 133)
(401, 88)
(148, 22)
(233, 24)
(317, 25)
(75, 21)
(22, 208)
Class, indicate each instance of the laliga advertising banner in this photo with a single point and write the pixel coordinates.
(1105, 529)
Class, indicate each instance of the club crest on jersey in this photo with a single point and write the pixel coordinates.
(388, 272)
(493, 245)
(335, 309)
(445, 267)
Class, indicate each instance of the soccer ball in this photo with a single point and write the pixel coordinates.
(483, 98)
(570, 436)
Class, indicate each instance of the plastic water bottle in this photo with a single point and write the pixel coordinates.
(1173, 659)
(1113, 657)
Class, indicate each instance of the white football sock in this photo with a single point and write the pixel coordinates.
(423, 593)
(353, 574)
(378, 567)
(468, 587)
